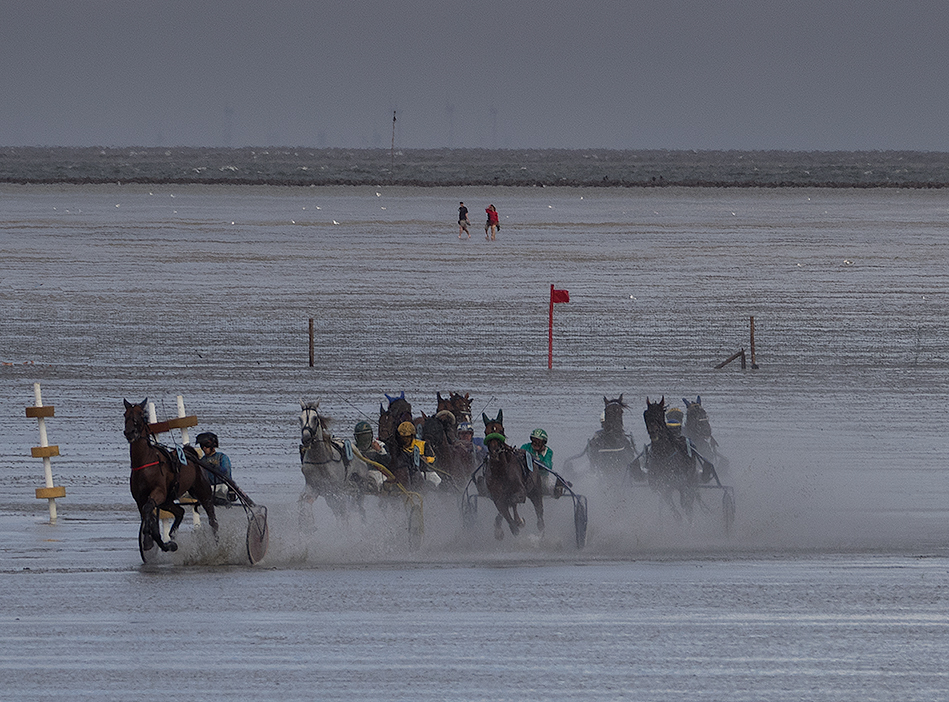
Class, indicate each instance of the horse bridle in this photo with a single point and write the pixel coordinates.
(306, 428)
(307, 410)
(139, 428)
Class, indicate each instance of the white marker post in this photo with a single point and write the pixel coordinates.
(45, 451)
(182, 422)
(185, 439)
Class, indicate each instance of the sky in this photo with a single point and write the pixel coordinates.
(628, 74)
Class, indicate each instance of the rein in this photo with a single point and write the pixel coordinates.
(147, 465)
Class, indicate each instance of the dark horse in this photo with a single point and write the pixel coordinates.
(671, 464)
(508, 480)
(611, 452)
(699, 431)
(453, 458)
(158, 478)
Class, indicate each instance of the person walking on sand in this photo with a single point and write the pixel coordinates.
(493, 224)
(463, 221)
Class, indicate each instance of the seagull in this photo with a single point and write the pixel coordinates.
(848, 262)
(335, 222)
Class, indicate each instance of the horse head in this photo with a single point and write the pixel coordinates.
(696, 420)
(312, 425)
(655, 418)
(613, 414)
(399, 410)
(457, 404)
(136, 425)
(494, 438)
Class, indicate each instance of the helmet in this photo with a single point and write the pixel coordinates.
(207, 438)
(362, 428)
(465, 427)
(539, 434)
(674, 417)
(406, 429)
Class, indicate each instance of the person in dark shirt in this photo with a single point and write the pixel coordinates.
(463, 221)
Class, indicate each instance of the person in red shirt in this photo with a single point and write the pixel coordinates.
(493, 224)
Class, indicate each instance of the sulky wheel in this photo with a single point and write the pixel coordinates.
(258, 536)
(469, 510)
(580, 519)
(728, 509)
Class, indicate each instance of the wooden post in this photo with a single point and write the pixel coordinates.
(738, 354)
(311, 342)
(392, 152)
(754, 364)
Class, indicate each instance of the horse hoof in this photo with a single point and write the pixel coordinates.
(521, 522)
(172, 546)
(499, 534)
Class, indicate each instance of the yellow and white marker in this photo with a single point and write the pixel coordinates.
(45, 451)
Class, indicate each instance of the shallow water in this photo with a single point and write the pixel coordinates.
(834, 443)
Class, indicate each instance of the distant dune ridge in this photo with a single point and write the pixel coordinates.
(454, 167)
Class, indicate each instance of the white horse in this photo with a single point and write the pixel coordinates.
(331, 468)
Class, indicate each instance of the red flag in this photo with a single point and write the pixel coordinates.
(559, 295)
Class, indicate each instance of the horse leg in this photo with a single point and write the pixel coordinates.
(518, 519)
(178, 512)
(504, 515)
(305, 508)
(667, 496)
(337, 505)
(152, 528)
(147, 528)
(687, 500)
(203, 492)
(499, 526)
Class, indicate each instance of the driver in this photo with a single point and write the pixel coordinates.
(407, 445)
(367, 445)
(538, 449)
(209, 443)
(544, 455)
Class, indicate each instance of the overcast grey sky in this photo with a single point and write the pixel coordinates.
(809, 74)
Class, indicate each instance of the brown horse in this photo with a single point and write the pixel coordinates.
(158, 478)
(398, 411)
(453, 457)
(508, 480)
(458, 405)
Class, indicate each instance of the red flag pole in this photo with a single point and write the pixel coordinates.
(550, 331)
